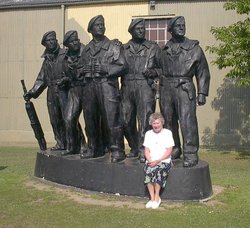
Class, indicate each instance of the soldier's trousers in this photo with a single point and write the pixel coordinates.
(102, 110)
(137, 103)
(178, 105)
(74, 135)
(56, 102)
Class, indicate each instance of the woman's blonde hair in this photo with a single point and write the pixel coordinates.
(156, 116)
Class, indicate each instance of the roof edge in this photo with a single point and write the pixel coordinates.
(25, 5)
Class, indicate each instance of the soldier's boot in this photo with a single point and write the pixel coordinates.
(58, 146)
(176, 153)
(133, 144)
(84, 148)
(87, 151)
(117, 145)
(133, 153)
(190, 159)
(83, 143)
(85, 154)
(69, 149)
(117, 155)
(141, 157)
(73, 147)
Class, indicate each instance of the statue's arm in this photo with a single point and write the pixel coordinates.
(118, 65)
(158, 63)
(202, 74)
(153, 70)
(40, 83)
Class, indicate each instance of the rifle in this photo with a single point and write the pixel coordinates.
(34, 121)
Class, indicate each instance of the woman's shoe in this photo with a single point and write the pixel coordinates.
(156, 204)
(149, 204)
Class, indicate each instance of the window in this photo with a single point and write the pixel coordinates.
(156, 29)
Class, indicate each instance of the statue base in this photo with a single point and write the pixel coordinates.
(125, 178)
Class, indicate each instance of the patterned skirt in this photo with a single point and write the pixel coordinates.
(157, 174)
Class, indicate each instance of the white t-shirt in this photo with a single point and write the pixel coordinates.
(158, 143)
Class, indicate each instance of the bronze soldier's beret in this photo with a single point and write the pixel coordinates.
(91, 22)
(172, 21)
(53, 33)
(68, 35)
(134, 22)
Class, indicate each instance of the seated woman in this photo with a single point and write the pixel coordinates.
(158, 145)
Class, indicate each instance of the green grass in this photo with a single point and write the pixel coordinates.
(25, 206)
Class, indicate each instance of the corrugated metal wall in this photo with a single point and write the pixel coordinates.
(21, 51)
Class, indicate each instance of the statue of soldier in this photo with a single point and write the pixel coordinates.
(103, 62)
(71, 69)
(50, 73)
(138, 89)
(182, 59)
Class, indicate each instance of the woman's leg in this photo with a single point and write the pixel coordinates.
(151, 190)
(157, 201)
(157, 189)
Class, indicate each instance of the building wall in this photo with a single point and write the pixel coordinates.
(20, 58)
(21, 51)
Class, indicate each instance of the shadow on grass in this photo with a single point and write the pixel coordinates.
(243, 155)
(3, 167)
(243, 152)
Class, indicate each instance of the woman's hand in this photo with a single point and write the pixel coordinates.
(154, 163)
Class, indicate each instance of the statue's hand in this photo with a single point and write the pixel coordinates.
(150, 73)
(201, 99)
(63, 82)
(99, 68)
(80, 77)
(86, 69)
(117, 42)
(27, 96)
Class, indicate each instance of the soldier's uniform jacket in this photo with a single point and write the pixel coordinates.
(101, 96)
(107, 54)
(146, 57)
(50, 72)
(186, 61)
(72, 67)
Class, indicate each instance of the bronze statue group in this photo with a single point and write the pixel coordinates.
(85, 79)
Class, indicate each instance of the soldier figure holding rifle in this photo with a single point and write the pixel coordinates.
(50, 73)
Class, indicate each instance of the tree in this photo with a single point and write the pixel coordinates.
(233, 50)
